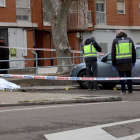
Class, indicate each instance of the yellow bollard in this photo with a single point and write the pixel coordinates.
(115, 88)
(67, 88)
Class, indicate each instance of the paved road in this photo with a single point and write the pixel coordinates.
(33, 122)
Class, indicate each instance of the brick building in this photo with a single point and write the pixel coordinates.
(112, 15)
(23, 24)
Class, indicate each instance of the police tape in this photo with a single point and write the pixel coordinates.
(45, 49)
(69, 78)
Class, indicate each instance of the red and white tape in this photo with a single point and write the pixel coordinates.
(45, 49)
(69, 78)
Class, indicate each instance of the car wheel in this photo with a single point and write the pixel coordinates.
(83, 84)
(108, 85)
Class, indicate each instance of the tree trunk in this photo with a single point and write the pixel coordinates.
(61, 43)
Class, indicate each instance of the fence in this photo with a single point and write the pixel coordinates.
(36, 58)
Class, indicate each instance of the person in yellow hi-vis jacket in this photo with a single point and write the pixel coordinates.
(90, 49)
(123, 58)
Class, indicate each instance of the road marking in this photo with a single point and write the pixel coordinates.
(92, 133)
(46, 107)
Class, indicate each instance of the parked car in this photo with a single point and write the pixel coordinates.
(105, 70)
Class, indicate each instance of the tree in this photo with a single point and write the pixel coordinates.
(56, 12)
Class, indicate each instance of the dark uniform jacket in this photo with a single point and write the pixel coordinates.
(4, 55)
(96, 46)
(123, 65)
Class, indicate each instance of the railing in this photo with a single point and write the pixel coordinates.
(36, 60)
(76, 20)
(89, 17)
(100, 18)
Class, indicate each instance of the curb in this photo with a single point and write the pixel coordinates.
(96, 99)
(36, 88)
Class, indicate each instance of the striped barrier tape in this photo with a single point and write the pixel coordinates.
(44, 49)
(69, 78)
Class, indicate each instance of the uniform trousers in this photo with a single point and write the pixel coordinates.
(91, 67)
(129, 82)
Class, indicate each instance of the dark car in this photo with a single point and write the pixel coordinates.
(105, 70)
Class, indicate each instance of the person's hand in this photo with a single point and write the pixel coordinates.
(133, 65)
(114, 68)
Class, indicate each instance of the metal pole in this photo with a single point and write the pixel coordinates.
(73, 58)
(80, 50)
(36, 58)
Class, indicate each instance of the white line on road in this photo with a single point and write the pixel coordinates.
(58, 106)
(92, 133)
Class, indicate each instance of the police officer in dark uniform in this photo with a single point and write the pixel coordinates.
(4, 55)
(90, 49)
(123, 58)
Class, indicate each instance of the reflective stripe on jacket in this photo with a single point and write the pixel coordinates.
(123, 49)
(90, 51)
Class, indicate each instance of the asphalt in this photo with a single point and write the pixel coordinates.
(43, 95)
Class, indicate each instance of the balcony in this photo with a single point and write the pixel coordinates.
(75, 20)
(79, 21)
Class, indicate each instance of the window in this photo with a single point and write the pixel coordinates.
(139, 8)
(100, 12)
(23, 10)
(138, 53)
(2, 3)
(109, 57)
(23, 3)
(120, 7)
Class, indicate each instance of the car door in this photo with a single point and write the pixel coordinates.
(105, 67)
(136, 69)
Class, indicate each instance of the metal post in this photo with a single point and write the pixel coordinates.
(36, 58)
(80, 44)
(73, 58)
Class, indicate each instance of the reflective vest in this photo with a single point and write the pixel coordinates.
(89, 51)
(123, 49)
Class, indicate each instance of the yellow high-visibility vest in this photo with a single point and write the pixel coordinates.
(123, 49)
(90, 51)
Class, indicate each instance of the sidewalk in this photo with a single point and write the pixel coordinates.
(34, 96)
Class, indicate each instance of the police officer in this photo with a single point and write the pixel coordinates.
(123, 58)
(90, 49)
(4, 55)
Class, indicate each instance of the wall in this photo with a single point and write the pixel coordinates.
(74, 45)
(116, 19)
(8, 13)
(135, 13)
(36, 13)
(107, 36)
(130, 18)
(30, 44)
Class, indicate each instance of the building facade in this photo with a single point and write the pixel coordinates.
(112, 15)
(24, 24)
(18, 21)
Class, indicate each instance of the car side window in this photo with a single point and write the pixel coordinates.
(109, 57)
(138, 53)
